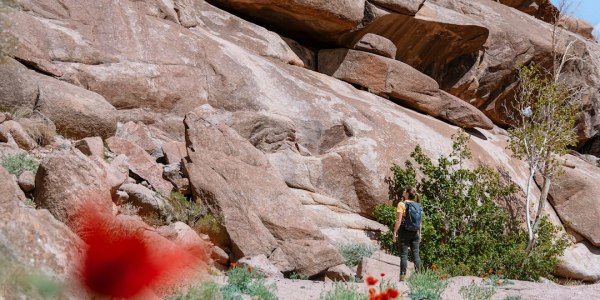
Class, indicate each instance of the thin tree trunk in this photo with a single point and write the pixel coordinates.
(542, 203)
(528, 202)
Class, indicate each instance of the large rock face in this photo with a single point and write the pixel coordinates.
(575, 196)
(281, 135)
(258, 210)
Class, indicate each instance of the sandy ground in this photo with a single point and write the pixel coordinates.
(306, 290)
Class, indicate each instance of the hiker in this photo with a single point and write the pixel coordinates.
(408, 220)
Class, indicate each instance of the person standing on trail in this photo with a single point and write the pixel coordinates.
(408, 222)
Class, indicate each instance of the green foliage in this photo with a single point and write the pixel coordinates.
(207, 290)
(194, 214)
(29, 283)
(463, 229)
(342, 291)
(7, 40)
(477, 292)
(243, 281)
(513, 298)
(550, 126)
(18, 163)
(29, 202)
(386, 215)
(353, 253)
(426, 285)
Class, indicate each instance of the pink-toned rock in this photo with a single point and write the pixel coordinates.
(575, 196)
(139, 134)
(374, 267)
(261, 265)
(402, 83)
(91, 146)
(219, 255)
(140, 163)
(339, 273)
(259, 212)
(578, 26)
(149, 202)
(406, 7)
(376, 44)
(27, 181)
(181, 234)
(580, 262)
(174, 152)
(66, 180)
(19, 135)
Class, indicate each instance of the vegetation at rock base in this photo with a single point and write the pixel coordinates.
(249, 282)
(343, 291)
(353, 253)
(428, 284)
(207, 290)
(18, 163)
(464, 230)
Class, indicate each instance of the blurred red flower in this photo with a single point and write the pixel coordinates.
(120, 262)
(393, 293)
(371, 280)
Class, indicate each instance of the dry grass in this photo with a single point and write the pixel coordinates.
(38, 130)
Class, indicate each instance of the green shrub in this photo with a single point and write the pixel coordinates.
(353, 253)
(18, 163)
(513, 298)
(386, 215)
(463, 229)
(426, 285)
(243, 281)
(477, 292)
(208, 290)
(342, 291)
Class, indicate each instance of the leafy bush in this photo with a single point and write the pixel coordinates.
(477, 292)
(245, 281)
(353, 253)
(342, 291)
(18, 163)
(208, 290)
(463, 229)
(386, 215)
(426, 285)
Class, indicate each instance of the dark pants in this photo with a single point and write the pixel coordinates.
(406, 239)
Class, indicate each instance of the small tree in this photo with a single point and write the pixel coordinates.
(544, 117)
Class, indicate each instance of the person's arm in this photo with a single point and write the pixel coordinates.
(397, 226)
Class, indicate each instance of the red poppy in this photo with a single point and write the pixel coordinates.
(433, 267)
(371, 280)
(372, 291)
(250, 268)
(233, 265)
(382, 274)
(393, 293)
(119, 262)
(499, 282)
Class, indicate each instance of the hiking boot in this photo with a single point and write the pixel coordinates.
(402, 277)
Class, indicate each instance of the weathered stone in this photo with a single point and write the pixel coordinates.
(372, 267)
(576, 197)
(219, 255)
(183, 235)
(148, 201)
(19, 135)
(402, 83)
(541, 9)
(339, 273)
(27, 181)
(261, 265)
(76, 112)
(375, 44)
(578, 26)
(140, 163)
(323, 19)
(259, 212)
(407, 7)
(580, 262)
(91, 146)
(66, 180)
(139, 134)
(174, 152)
